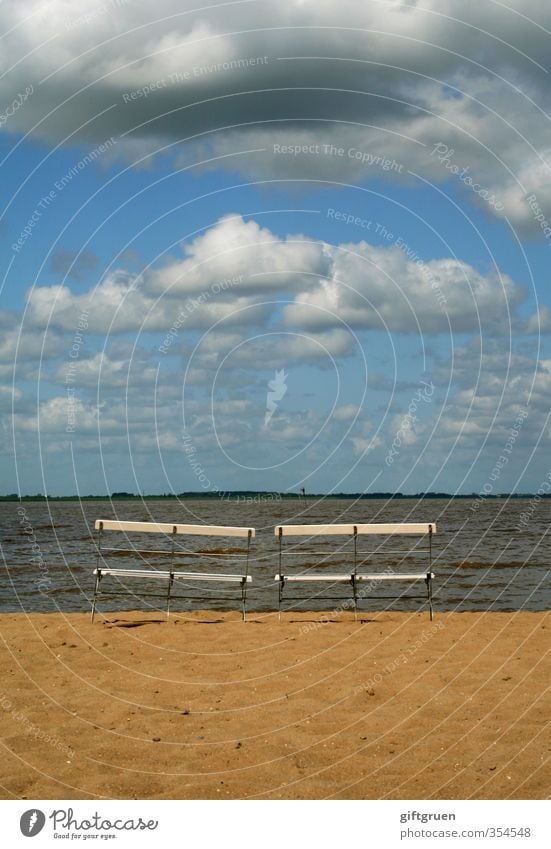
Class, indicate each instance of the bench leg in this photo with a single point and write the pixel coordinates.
(243, 600)
(94, 599)
(170, 581)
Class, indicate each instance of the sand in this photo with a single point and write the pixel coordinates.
(208, 707)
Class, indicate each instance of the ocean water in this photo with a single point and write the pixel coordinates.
(493, 555)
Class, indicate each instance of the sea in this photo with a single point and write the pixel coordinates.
(487, 555)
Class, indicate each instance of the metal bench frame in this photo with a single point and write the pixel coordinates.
(172, 575)
(353, 577)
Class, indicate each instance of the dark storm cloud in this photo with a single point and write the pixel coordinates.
(380, 79)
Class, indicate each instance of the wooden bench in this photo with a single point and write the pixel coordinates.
(172, 535)
(352, 576)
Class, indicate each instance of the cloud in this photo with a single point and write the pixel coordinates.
(73, 264)
(539, 322)
(240, 256)
(361, 445)
(273, 349)
(104, 372)
(21, 345)
(65, 415)
(385, 79)
(120, 303)
(223, 272)
(491, 385)
(353, 284)
(380, 288)
(9, 396)
(345, 413)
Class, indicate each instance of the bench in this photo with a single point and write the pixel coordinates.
(356, 559)
(173, 536)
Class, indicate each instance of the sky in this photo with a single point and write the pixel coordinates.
(257, 245)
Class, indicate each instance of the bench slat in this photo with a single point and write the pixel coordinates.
(417, 577)
(134, 573)
(340, 577)
(200, 576)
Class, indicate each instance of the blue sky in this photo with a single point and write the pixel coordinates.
(267, 246)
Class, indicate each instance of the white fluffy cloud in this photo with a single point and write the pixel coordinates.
(121, 304)
(353, 284)
(380, 288)
(107, 372)
(22, 345)
(237, 256)
(64, 415)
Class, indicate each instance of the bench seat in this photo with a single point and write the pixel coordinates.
(157, 573)
(421, 576)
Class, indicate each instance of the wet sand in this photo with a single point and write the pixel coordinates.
(208, 707)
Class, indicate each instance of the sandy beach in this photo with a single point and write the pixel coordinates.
(207, 707)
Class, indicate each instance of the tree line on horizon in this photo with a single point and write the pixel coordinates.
(240, 493)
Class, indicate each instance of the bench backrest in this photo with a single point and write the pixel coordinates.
(173, 528)
(418, 528)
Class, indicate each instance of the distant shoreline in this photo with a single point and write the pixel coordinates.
(260, 495)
